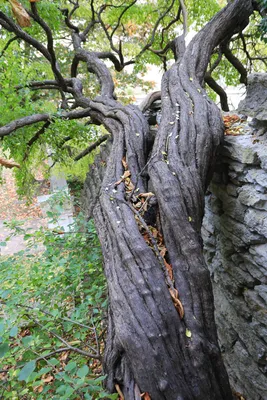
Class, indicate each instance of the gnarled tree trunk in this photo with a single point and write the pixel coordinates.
(150, 346)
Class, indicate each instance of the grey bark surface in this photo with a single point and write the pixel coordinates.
(149, 347)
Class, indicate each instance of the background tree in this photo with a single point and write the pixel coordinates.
(59, 62)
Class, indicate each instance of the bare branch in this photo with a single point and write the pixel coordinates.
(92, 147)
(35, 118)
(108, 55)
(161, 17)
(235, 62)
(166, 28)
(20, 123)
(94, 65)
(50, 44)
(245, 46)
(75, 349)
(68, 23)
(120, 17)
(219, 90)
(10, 26)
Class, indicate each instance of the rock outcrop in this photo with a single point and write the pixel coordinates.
(235, 243)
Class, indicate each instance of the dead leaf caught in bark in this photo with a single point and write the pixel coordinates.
(21, 15)
(177, 303)
(124, 163)
(169, 269)
(145, 396)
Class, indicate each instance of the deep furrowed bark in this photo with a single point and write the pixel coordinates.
(150, 348)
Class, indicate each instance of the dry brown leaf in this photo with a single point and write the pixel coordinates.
(145, 396)
(118, 182)
(129, 185)
(124, 176)
(8, 164)
(64, 355)
(25, 332)
(177, 303)
(124, 163)
(48, 379)
(148, 194)
(38, 389)
(163, 252)
(239, 396)
(21, 15)
(168, 268)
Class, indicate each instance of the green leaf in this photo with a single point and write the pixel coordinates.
(83, 371)
(53, 361)
(4, 348)
(2, 328)
(70, 366)
(2, 244)
(27, 370)
(14, 331)
(27, 340)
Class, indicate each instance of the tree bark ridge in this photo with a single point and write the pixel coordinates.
(149, 347)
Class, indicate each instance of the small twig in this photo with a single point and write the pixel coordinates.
(51, 315)
(75, 349)
(96, 337)
(43, 357)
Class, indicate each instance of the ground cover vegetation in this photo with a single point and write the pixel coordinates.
(65, 85)
(52, 329)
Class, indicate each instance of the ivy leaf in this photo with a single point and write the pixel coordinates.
(27, 370)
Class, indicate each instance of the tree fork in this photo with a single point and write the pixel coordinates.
(149, 347)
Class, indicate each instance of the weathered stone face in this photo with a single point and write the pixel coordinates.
(235, 241)
(255, 103)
